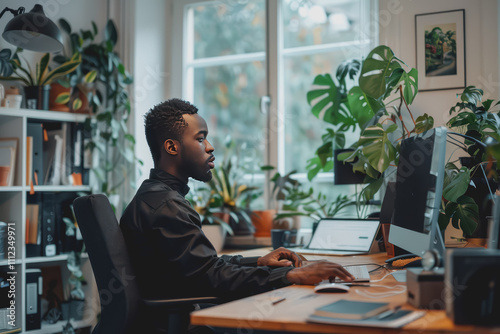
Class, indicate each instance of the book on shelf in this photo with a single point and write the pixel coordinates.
(8, 156)
(29, 161)
(32, 219)
(351, 309)
(63, 154)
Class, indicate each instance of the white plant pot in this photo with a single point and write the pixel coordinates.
(215, 234)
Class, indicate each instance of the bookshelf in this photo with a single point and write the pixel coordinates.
(13, 204)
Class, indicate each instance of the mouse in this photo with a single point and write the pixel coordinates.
(331, 287)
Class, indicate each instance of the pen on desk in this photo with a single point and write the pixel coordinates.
(278, 301)
(388, 313)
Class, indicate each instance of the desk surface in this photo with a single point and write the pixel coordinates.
(258, 313)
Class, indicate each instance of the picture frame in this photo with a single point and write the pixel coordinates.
(440, 50)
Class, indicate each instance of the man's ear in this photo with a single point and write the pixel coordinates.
(170, 146)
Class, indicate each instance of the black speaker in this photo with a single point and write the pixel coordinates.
(49, 225)
(472, 286)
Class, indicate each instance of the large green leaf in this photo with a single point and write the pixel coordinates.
(424, 123)
(464, 214)
(377, 68)
(372, 188)
(348, 68)
(472, 95)
(327, 103)
(457, 185)
(408, 81)
(377, 147)
(362, 106)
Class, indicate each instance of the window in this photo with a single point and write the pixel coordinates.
(234, 52)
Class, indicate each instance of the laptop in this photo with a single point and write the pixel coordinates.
(341, 236)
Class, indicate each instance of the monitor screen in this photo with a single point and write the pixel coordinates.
(419, 186)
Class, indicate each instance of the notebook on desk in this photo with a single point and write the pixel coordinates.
(341, 236)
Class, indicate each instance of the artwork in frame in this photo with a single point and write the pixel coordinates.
(440, 47)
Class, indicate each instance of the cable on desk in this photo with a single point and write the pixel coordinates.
(370, 294)
(383, 277)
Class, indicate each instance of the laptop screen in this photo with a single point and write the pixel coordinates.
(344, 234)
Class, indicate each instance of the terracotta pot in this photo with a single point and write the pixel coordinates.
(263, 221)
(55, 90)
(82, 92)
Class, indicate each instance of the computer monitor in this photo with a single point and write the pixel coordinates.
(419, 186)
(494, 228)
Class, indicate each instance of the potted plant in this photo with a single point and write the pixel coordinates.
(469, 188)
(230, 194)
(37, 83)
(208, 204)
(79, 84)
(101, 83)
(384, 93)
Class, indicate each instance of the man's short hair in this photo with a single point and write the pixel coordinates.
(164, 121)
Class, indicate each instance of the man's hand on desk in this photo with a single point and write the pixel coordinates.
(280, 257)
(318, 271)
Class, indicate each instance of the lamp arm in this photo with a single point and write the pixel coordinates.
(14, 12)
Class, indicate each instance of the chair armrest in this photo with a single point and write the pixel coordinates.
(179, 302)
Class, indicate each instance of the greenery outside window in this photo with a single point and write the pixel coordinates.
(236, 51)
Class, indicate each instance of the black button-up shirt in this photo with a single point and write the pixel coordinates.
(172, 257)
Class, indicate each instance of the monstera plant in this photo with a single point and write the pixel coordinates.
(478, 121)
(378, 106)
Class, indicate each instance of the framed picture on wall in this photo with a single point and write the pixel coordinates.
(440, 47)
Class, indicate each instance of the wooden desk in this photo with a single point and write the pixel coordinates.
(257, 313)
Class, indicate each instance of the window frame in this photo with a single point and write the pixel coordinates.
(274, 52)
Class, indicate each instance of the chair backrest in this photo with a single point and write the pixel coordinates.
(118, 290)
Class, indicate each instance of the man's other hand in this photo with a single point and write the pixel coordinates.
(318, 271)
(280, 257)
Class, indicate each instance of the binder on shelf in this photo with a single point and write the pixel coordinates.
(34, 286)
(35, 130)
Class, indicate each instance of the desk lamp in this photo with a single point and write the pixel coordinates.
(32, 31)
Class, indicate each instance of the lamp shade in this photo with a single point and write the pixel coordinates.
(34, 31)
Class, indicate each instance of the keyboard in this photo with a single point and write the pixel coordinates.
(360, 273)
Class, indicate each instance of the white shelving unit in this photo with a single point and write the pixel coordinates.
(13, 200)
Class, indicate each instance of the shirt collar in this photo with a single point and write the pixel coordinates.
(170, 180)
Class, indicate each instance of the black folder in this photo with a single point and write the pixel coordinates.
(35, 130)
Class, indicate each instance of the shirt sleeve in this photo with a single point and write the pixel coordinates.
(177, 235)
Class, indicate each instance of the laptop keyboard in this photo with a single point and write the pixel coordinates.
(360, 273)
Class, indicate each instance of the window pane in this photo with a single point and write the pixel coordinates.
(317, 22)
(228, 98)
(229, 27)
(302, 130)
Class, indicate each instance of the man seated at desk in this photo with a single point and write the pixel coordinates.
(171, 255)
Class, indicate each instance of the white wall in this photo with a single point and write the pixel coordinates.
(152, 54)
(397, 30)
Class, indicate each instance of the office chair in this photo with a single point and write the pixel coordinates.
(123, 311)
